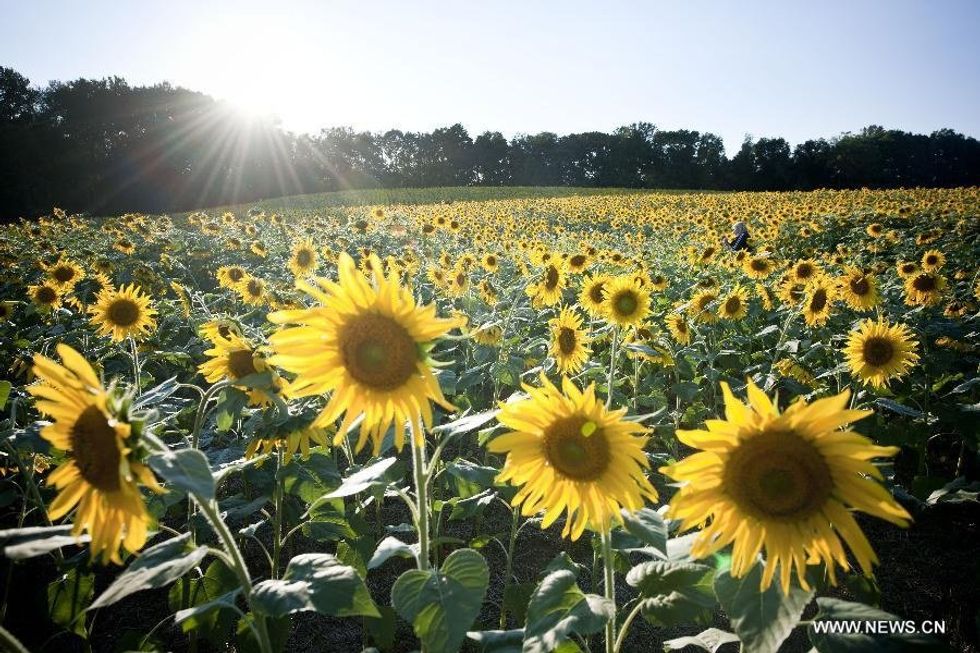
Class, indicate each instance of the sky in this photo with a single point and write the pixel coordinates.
(798, 70)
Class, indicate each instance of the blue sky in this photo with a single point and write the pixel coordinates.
(793, 69)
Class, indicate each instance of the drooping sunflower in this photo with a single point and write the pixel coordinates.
(123, 313)
(625, 303)
(569, 342)
(304, 259)
(820, 296)
(105, 469)
(234, 358)
(367, 344)
(298, 441)
(490, 335)
(46, 296)
(783, 481)
(924, 289)
(678, 328)
(933, 260)
(570, 454)
(878, 352)
(593, 294)
(735, 305)
(859, 289)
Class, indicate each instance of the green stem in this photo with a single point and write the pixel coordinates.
(612, 366)
(422, 500)
(10, 643)
(626, 625)
(136, 365)
(609, 586)
(509, 567)
(277, 501)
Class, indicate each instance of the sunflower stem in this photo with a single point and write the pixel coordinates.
(612, 367)
(137, 373)
(509, 568)
(421, 498)
(277, 501)
(626, 625)
(609, 586)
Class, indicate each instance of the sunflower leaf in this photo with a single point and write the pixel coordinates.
(316, 582)
(558, 609)
(187, 470)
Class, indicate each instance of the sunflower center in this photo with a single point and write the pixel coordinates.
(819, 300)
(878, 351)
(778, 476)
(304, 258)
(759, 265)
(551, 278)
(254, 288)
(860, 286)
(924, 283)
(241, 363)
(626, 303)
(573, 454)
(46, 295)
(236, 274)
(577, 260)
(63, 274)
(595, 292)
(491, 260)
(378, 352)
(932, 259)
(566, 340)
(123, 312)
(732, 305)
(94, 447)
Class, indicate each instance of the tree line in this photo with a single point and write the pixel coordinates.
(105, 146)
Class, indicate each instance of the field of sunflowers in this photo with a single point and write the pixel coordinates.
(569, 423)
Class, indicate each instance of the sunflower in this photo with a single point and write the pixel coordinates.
(735, 305)
(65, 274)
(803, 271)
(46, 296)
(820, 296)
(298, 441)
(182, 297)
(572, 455)
(576, 263)
(907, 269)
(785, 481)
(569, 342)
(104, 470)
(219, 329)
(490, 262)
(702, 307)
(368, 344)
(593, 294)
(858, 289)
(304, 259)
(457, 283)
(924, 289)
(488, 334)
(757, 267)
(234, 358)
(625, 303)
(678, 328)
(875, 230)
(878, 352)
(547, 290)
(658, 282)
(123, 313)
(230, 276)
(258, 248)
(252, 291)
(933, 260)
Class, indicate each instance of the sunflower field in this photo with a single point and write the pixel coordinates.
(576, 423)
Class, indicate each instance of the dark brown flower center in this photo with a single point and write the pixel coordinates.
(63, 274)
(626, 303)
(378, 352)
(595, 292)
(577, 260)
(304, 258)
(95, 450)
(551, 278)
(236, 274)
(46, 295)
(241, 363)
(573, 454)
(860, 286)
(778, 476)
(804, 271)
(123, 312)
(732, 305)
(818, 301)
(566, 340)
(878, 351)
(924, 283)
(254, 288)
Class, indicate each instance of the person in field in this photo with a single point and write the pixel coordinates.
(740, 239)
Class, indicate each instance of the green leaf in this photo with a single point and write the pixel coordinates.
(710, 640)
(213, 589)
(441, 604)
(674, 592)
(157, 394)
(846, 615)
(649, 526)
(762, 620)
(316, 582)
(229, 407)
(194, 617)
(558, 609)
(467, 471)
(67, 598)
(466, 424)
(898, 408)
(382, 629)
(20, 543)
(187, 470)
(5, 387)
(310, 478)
(498, 641)
(391, 546)
(157, 566)
(363, 479)
(517, 596)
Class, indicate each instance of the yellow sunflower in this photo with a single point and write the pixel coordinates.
(933, 260)
(490, 262)
(878, 352)
(859, 289)
(65, 273)
(367, 344)
(304, 259)
(230, 276)
(804, 270)
(757, 267)
(549, 286)
(625, 303)
(820, 296)
(907, 269)
(103, 473)
(234, 358)
(219, 329)
(702, 307)
(735, 305)
(678, 328)
(593, 294)
(924, 289)
(252, 291)
(46, 296)
(783, 481)
(298, 441)
(570, 454)
(488, 334)
(123, 313)
(569, 342)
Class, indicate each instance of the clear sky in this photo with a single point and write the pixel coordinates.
(793, 69)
